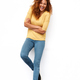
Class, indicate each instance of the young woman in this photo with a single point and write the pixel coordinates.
(36, 21)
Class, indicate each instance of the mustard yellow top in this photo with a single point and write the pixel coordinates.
(42, 21)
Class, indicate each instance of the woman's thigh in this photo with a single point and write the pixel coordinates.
(27, 46)
(38, 48)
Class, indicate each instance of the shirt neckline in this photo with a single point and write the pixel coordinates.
(42, 14)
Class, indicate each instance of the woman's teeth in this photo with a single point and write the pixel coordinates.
(42, 7)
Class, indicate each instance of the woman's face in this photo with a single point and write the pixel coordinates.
(42, 5)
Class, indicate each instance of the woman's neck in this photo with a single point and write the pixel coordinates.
(41, 13)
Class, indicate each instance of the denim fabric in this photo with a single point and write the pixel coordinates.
(38, 48)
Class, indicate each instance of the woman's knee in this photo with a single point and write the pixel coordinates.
(23, 55)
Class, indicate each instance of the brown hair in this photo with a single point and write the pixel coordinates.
(35, 8)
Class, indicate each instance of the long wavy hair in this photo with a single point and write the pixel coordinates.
(36, 10)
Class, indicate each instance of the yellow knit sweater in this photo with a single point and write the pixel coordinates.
(42, 21)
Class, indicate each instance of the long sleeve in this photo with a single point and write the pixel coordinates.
(29, 14)
(46, 21)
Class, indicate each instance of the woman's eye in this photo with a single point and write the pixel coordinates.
(44, 4)
(40, 3)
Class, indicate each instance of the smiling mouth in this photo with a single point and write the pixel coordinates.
(42, 7)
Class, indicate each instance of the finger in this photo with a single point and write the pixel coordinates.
(28, 19)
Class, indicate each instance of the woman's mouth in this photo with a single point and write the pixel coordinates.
(42, 7)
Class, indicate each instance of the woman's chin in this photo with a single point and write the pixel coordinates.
(41, 10)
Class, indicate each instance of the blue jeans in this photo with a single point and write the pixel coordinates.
(38, 48)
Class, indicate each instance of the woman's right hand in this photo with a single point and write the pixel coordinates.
(28, 20)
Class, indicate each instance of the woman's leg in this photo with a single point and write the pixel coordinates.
(27, 46)
(39, 47)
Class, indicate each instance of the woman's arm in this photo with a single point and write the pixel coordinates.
(35, 28)
(39, 30)
(29, 25)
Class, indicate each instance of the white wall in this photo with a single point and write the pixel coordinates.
(61, 57)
